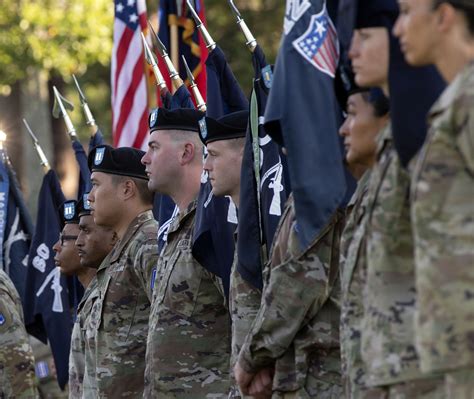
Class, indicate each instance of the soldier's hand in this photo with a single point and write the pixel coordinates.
(261, 385)
(243, 378)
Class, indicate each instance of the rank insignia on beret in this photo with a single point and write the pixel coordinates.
(69, 210)
(2, 319)
(99, 156)
(267, 76)
(203, 127)
(86, 203)
(153, 117)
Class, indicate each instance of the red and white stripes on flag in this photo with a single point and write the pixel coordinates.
(128, 76)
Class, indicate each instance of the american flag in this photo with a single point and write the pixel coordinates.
(319, 44)
(128, 75)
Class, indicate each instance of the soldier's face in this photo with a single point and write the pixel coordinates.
(161, 161)
(360, 131)
(223, 164)
(369, 53)
(67, 257)
(93, 242)
(104, 202)
(417, 31)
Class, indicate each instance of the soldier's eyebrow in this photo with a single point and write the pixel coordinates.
(153, 142)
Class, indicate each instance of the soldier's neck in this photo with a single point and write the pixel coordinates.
(86, 276)
(453, 59)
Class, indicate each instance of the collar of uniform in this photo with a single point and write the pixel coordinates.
(361, 188)
(87, 293)
(182, 216)
(453, 91)
(383, 138)
(132, 229)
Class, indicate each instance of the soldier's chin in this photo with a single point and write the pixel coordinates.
(65, 272)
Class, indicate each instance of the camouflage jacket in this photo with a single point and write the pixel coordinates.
(296, 330)
(244, 303)
(77, 354)
(17, 365)
(353, 266)
(118, 323)
(388, 337)
(188, 347)
(443, 221)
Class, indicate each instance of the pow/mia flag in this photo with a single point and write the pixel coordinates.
(17, 230)
(262, 182)
(47, 305)
(216, 219)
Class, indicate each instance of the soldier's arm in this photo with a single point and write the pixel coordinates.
(16, 356)
(145, 261)
(295, 290)
(465, 139)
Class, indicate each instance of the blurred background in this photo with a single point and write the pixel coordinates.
(44, 42)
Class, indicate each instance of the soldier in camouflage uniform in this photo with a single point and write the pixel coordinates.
(295, 336)
(17, 370)
(387, 327)
(93, 243)
(225, 140)
(67, 259)
(367, 113)
(118, 321)
(442, 191)
(188, 345)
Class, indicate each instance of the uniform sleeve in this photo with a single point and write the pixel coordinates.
(465, 140)
(294, 292)
(145, 262)
(16, 356)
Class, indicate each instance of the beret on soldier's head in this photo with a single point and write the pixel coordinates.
(123, 161)
(69, 212)
(376, 13)
(184, 119)
(83, 206)
(230, 126)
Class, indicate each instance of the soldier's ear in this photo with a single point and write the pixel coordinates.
(128, 189)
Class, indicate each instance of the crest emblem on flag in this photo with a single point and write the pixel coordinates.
(319, 44)
(99, 156)
(69, 210)
(2, 319)
(203, 128)
(267, 76)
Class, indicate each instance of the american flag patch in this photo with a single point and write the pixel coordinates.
(319, 44)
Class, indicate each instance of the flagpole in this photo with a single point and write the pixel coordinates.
(39, 150)
(174, 50)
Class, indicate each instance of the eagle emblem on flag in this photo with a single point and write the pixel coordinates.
(319, 44)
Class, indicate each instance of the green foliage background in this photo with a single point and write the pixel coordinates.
(65, 37)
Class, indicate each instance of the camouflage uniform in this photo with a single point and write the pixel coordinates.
(353, 265)
(77, 354)
(188, 345)
(118, 323)
(296, 330)
(17, 371)
(443, 220)
(388, 337)
(244, 303)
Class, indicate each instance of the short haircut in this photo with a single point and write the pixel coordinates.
(464, 8)
(144, 193)
(381, 104)
(237, 143)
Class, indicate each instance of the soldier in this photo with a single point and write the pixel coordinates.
(188, 345)
(442, 190)
(225, 140)
(93, 243)
(67, 259)
(387, 338)
(17, 365)
(367, 115)
(118, 323)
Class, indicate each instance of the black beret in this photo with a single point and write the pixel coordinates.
(178, 119)
(230, 126)
(69, 212)
(123, 161)
(83, 206)
(376, 13)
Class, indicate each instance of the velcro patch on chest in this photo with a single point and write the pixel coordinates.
(183, 244)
